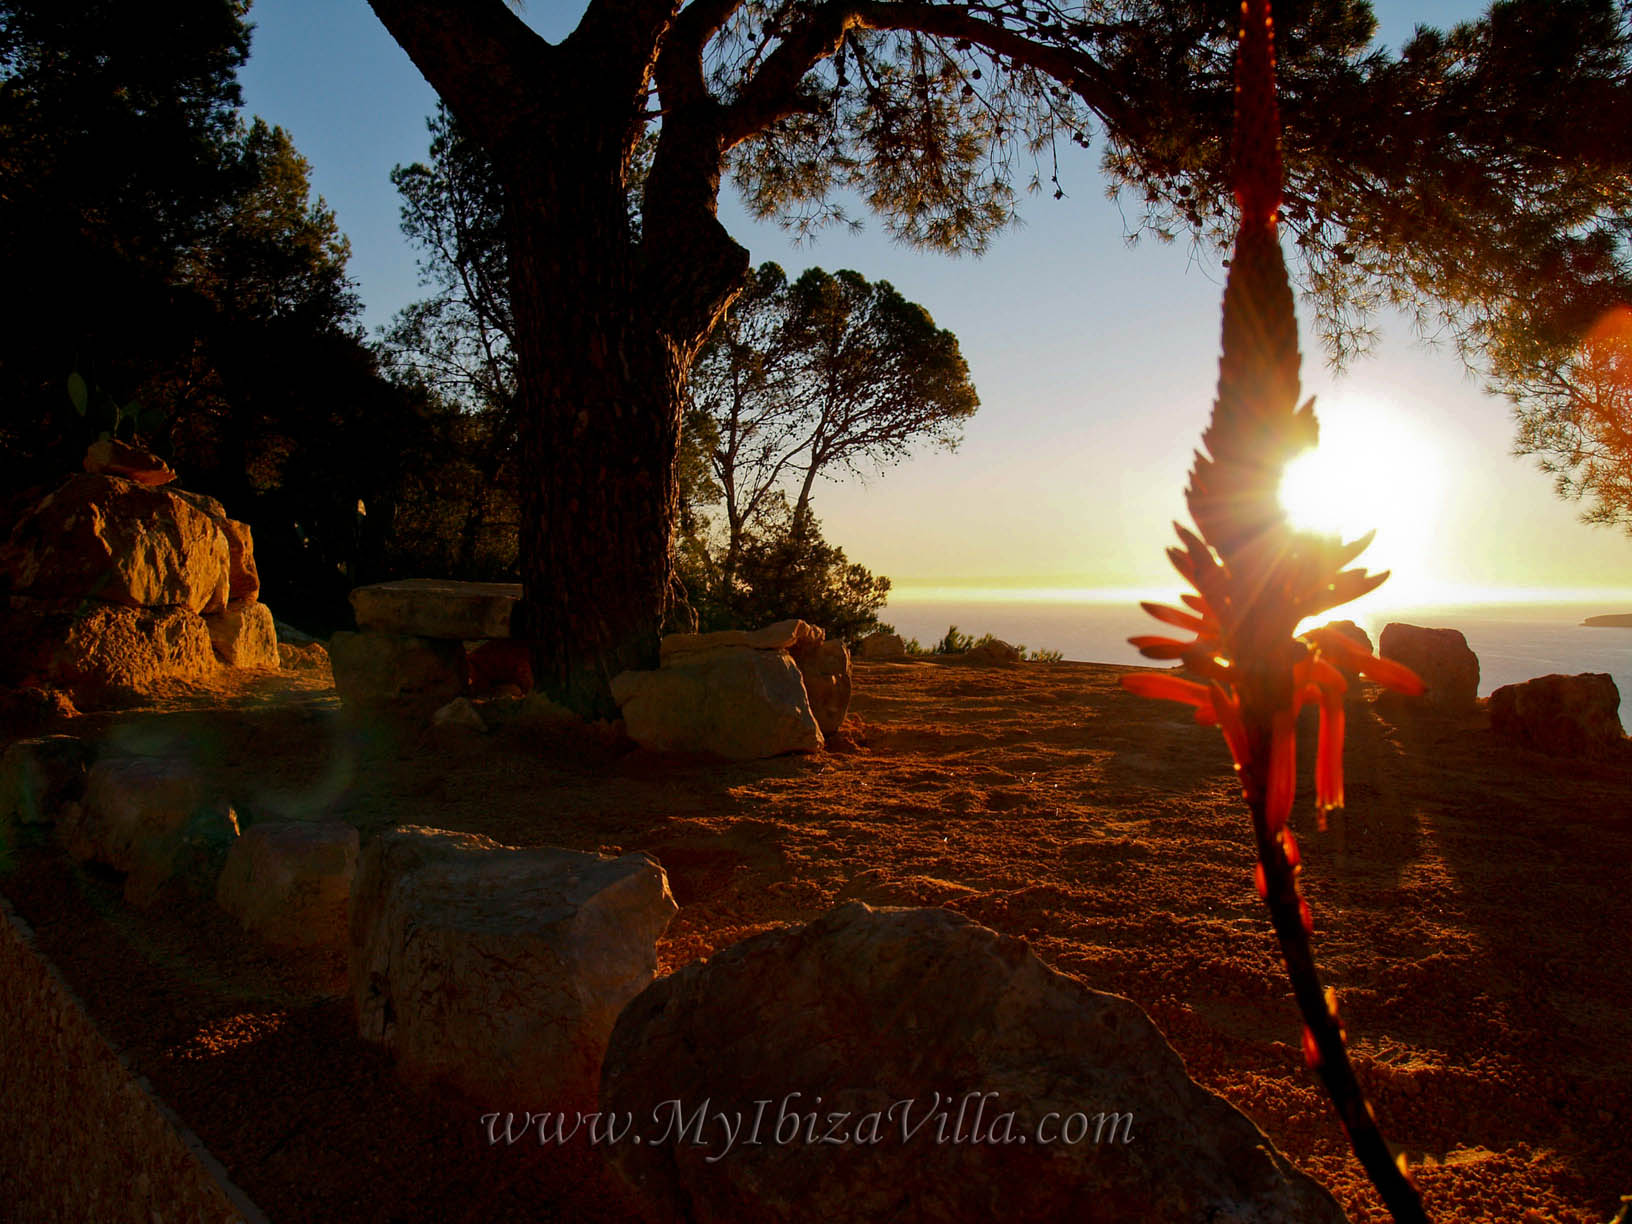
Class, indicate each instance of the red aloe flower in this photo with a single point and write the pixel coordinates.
(1256, 580)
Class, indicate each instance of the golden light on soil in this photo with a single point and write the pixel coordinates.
(1372, 469)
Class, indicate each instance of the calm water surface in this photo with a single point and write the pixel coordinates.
(1513, 641)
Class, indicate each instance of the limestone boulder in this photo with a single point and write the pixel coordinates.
(910, 1065)
(1566, 716)
(1441, 658)
(825, 668)
(111, 457)
(995, 653)
(152, 819)
(243, 635)
(289, 882)
(882, 646)
(500, 971)
(38, 776)
(437, 608)
(1352, 631)
(311, 656)
(789, 635)
(732, 701)
(113, 540)
(374, 668)
(104, 654)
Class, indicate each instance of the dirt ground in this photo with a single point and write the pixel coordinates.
(1471, 908)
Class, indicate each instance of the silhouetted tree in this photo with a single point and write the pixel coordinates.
(1424, 179)
(801, 380)
(1575, 415)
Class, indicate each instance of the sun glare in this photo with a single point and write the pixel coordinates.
(1372, 469)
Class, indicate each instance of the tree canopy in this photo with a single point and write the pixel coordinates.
(1478, 178)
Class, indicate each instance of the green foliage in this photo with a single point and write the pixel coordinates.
(142, 420)
(953, 643)
(785, 570)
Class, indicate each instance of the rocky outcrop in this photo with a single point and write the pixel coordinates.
(825, 669)
(1565, 716)
(434, 608)
(1611, 620)
(881, 646)
(731, 701)
(911, 1065)
(243, 636)
(39, 776)
(1441, 658)
(373, 668)
(289, 882)
(112, 540)
(1351, 631)
(497, 970)
(995, 653)
(105, 653)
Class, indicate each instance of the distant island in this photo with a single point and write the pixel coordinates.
(1621, 620)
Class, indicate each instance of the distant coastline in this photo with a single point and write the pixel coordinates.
(1615, 620)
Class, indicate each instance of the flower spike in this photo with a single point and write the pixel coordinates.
(1256, 579)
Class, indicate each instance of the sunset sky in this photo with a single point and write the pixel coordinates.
(1095, 362)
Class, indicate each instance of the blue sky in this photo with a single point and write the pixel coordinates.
(1095, 362)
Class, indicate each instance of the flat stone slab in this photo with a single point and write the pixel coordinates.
(783, 635)
(437, 608)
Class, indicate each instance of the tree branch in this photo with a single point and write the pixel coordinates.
(483, 60)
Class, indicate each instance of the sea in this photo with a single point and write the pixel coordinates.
(1514, 641)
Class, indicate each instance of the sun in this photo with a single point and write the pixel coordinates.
(1373, 469)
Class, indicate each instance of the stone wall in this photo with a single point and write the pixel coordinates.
(81, 1136)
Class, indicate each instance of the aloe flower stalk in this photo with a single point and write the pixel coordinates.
(1256, 579)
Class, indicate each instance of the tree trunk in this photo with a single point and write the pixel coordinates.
(601, 398)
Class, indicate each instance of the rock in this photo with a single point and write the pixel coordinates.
(866, 1024)
(33, 708)
(458, 713)
(243, 635)
(825, 669)
(1441, 658)
(372, 668)
(734, 702)
(313, 656)
(38, 776)
(243, 578)
(1351, 631)
(435, 608)
(289, 882)
(500, 970)
(882, 646)
(497, 663)
(110, 457)
(112, 540)
(149, 818)
(994, 653)
(790, 635)
(1612, 620)
(1567, 716)
(106, 653)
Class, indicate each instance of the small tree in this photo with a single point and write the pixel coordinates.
(830, 373)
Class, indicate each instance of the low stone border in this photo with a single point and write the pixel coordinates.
(82, 1136)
